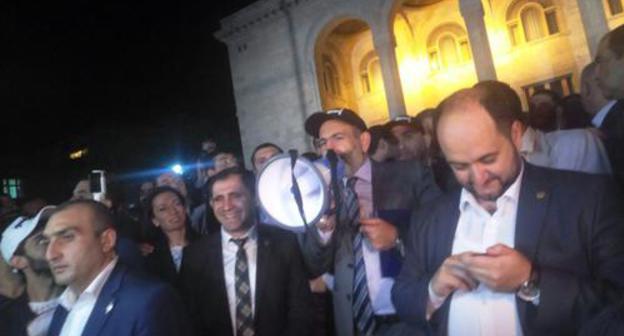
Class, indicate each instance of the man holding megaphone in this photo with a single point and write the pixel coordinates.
(375, 204)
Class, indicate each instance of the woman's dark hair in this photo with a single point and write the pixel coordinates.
(155, 234)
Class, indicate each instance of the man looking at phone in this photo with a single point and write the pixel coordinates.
(520, 249)
(364, 247)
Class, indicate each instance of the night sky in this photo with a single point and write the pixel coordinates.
(139, 83)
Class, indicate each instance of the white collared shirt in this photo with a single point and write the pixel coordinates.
(574, 149)
(80, 306)
(602, 114)
(44, 311)
(483, 311)
(230, 249)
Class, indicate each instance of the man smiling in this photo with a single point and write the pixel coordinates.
(248, 278)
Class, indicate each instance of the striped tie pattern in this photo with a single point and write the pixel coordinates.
(362, 309)
(244, 316)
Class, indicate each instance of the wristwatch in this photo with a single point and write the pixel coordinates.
(529, 290)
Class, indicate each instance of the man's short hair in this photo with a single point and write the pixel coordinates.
(497, 98)
(248, 178)
(615, 40)
(102, 217)
(554, 95)
(261, 146)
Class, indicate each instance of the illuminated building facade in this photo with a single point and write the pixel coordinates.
(384, 58)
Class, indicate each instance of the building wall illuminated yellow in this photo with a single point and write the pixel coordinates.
(533, 43)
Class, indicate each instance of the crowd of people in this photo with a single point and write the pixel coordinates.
(472, 218)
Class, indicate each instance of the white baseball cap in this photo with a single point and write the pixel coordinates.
(19, 230)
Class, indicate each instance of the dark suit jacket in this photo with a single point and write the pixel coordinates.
(397, 186)
(130, 304)
(160, 263)
(613, 129)
(570, 224)
(283, 299)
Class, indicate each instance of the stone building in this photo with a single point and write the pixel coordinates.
(384, 58)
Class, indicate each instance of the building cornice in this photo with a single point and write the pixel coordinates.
(252, 16)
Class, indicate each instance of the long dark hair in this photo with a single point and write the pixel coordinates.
(155, 234)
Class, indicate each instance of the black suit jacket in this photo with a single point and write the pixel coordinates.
(613, 129)
(570, 224)
(283, 299)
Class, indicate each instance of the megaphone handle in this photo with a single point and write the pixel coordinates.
(295, 186)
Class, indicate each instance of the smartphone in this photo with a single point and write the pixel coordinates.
(97, 183)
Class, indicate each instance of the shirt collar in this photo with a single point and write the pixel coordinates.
(602, 114)
(251, 234)
(364, 172)
(69, 298)
(512, 194)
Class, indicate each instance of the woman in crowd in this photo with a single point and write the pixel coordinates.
(166, 208)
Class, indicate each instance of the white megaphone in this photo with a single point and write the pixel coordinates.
(293, 191)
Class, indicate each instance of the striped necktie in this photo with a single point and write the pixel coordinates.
(362, 308)
(244, 316)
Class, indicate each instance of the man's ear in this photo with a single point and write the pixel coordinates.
(108, 239)
(365, 140)
(517, 130)
(19, 262)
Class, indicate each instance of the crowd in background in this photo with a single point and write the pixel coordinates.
(196, 255)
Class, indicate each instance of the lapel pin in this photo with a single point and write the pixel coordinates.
(109, 307)
(540, 195)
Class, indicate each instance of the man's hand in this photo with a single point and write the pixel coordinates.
(380, 233)
(453, 275)
(501, 268)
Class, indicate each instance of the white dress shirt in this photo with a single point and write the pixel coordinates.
(483, 311)
(602, 114)
(229, 262)
(80, 306)
(575, 149)
(44, 311)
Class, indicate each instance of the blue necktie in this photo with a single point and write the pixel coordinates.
(362, 308)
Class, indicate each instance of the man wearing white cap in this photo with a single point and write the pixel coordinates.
(22, 249)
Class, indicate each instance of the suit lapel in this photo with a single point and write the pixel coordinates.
(532, 206)
(443, 235)
(106, 301)
(262, 266)
(214, 268)
(60, 315)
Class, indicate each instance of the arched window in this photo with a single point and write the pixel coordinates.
(448, 47)
(615, 7)
(331, 82)
(531, 20)
(370, 73)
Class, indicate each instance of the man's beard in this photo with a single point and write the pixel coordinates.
(39, 266)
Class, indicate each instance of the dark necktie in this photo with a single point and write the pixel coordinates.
(362, 308)
(244, 314)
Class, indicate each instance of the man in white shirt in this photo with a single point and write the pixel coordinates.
(507, 255)
(574, 149)
(248, 278)
(103, 296)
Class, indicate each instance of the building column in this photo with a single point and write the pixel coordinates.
(472, 11)
(385, 44)
(594, 22)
